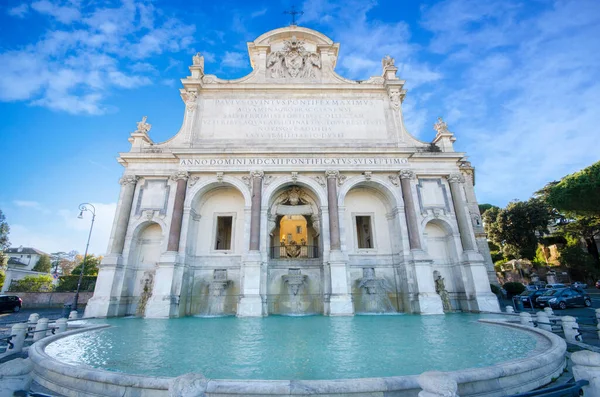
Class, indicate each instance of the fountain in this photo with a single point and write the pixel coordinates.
(147, 282)
(374, 298)
(440, 288)
(217, 294)
(294, 306)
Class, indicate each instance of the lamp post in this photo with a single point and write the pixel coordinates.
(92, 209)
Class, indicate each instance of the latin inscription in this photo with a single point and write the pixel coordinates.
(293, 119)
(283, 161)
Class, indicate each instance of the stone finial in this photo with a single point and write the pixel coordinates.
(437, 384)
(444, 139)
(198, 60)
(188, 385)
(129, 179)
(180, 175)
(441, 127)
(387, 61)
(406, 174)
(389, 68)
(142, 126)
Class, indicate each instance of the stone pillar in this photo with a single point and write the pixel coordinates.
(334, 217)
(19, 331)
(410, 210)
(526, 319)
(510, 309)
(543, 322)
(571, 329)
(257, 177)
(462, 217)
(424, 298)
(340, 299)
(164, 302)
(61, 325)
(177, 216)
(40, 329)
(104, 303)
(586, 366)
(251, 302)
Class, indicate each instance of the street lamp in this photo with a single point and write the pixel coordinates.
(84, 207)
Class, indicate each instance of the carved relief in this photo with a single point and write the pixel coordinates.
(294, 177)
(142, 126)
(180, 175)
(192, 181)
(247, 180)
(456, 178)
(294, 61)
(368, 175)
(407, 174)
(220, 177)
(394, 180)
(190, 99)
(257, 174)
(320, 180)
(395, 99)
(268, 179)
(441, 127)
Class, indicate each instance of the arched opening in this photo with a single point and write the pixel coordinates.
(446, 270)
(145, 251)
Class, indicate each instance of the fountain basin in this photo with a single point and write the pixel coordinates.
(544, 360)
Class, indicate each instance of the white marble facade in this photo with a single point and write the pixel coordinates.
(201, 217)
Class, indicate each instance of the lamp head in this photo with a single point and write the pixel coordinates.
(80, 216)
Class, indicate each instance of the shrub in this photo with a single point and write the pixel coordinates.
(513, 288)
(41, 283)
(69, 283)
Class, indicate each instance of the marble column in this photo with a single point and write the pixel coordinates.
(462, 217)
(334, 219)
(410, 210)
(340, 301)
(106, 301)
(164, 302)
(252, 270)
(177, 215)
(423, 298)
(257, 177)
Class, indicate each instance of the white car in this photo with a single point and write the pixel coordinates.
(579, 285)
(555, 286)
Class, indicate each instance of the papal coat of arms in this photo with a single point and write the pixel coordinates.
(293, 61)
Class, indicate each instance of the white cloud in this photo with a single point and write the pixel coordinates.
(27, 204)
(62, 14)
(234, 60)
(75, 69)
(258, 13)
(19, 11)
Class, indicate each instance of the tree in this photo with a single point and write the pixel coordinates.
(39, 283)
(484, 207)
(516, 228)
(43, 265)
(578, 193)
(91, 265)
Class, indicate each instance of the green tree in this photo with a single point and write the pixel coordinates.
(91, 265)
(484, 207)
(43, 265)
(40, 283)
(516, 228)
(580, 264)
(578, 193)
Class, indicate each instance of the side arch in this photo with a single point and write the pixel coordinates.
(201, 187)
(376, 183)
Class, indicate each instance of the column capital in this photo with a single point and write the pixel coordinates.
(456, 178)
(257, 174)
(129, 179)
(180, 175)
(406, 174)
(332, 174)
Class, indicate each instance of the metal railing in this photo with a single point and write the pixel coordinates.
(294, 251)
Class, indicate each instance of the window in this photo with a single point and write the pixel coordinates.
(223, 238)
(298, 229)
(364, 235)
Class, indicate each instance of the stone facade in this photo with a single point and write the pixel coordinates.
(199, 223)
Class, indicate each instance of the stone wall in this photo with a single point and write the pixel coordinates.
(38, 300)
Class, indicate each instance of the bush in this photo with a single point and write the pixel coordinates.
(41, 283)
(69, 283)
(513, 288)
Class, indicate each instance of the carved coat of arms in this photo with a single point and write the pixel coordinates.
(294, 61)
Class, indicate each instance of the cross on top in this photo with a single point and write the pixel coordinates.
(293, 13)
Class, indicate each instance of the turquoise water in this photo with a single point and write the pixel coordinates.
(306, 348)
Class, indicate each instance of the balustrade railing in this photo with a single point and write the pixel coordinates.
(294, 251)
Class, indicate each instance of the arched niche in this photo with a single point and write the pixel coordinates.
(298, 205)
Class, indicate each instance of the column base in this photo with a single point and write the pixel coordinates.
(104, 306)
(485, 302)
(165, 306)
(428, 303)
(341, 305)
(250, 306)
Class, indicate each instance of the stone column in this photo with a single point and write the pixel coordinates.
(334, 219)
(586, 366)
(257, 177)
(164, 302)
(177, 216)
(104, 303)
(128, 183)
(462, 217)
(410, 210)
(251, 302)
(340, 300)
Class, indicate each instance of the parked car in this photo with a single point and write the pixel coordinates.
(580, 285)
(561, 298)
(555, 286)
(529, 296)
(10, 302)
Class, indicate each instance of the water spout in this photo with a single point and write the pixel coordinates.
(374, 298)
(294, 281)
(217, 295)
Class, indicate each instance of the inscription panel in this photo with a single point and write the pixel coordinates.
(290, 119)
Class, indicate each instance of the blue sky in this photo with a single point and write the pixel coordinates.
(517, 81)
